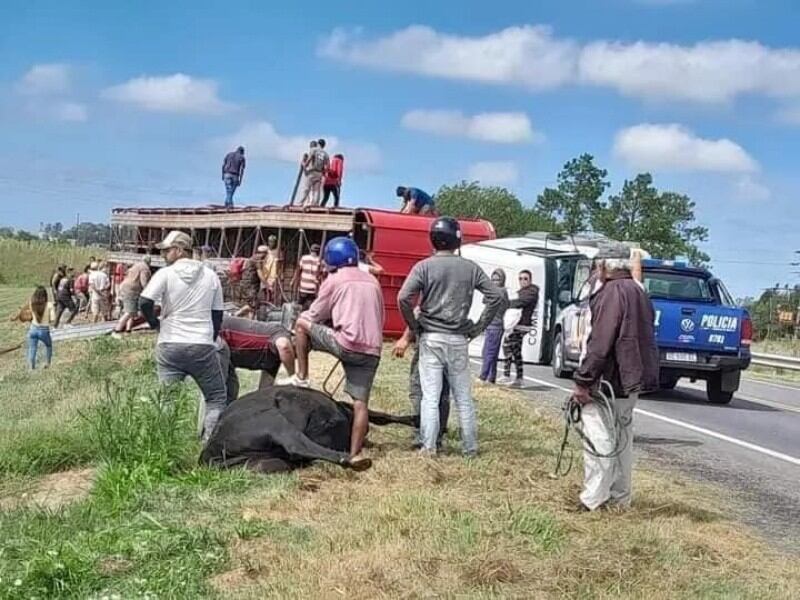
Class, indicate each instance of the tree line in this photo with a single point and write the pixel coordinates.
(662, 222)
(83, 234)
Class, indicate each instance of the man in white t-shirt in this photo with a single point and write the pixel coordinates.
(190, 295)
(99, 291)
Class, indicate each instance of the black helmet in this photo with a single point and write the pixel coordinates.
(446, 233)
(400, 191)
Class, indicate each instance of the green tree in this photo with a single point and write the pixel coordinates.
(576, 198)
(662, 222)
(87, 234)
(495, 204)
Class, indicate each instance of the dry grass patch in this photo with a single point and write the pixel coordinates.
(495, 526)
(52, 491)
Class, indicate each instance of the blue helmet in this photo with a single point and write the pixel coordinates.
(340, 252)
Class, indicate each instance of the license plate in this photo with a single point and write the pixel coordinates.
(682, 356)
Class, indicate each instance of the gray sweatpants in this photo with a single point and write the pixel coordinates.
(175, 362)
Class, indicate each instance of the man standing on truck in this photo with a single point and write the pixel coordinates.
(445, 284)
(314, 167)
(233, 173)
(333, 180)
(621, 349)
(526, 300)
(353, 302)
(190, 296)
(272, 271)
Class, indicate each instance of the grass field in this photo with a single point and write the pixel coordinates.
(101, 497)
(32, 263)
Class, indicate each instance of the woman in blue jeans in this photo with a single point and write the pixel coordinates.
(40, 327)
(493, 336)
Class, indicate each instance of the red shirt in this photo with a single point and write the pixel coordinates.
(335, 172)
(119, 273)
(81, 285)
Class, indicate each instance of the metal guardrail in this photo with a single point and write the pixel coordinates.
(776, 361)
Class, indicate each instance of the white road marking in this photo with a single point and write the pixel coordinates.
(791, 388)
(714, 434)
(739, 395)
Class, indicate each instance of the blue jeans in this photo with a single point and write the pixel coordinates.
(492, 340)
(36, 334)
(446, 355)
(415, 395)
(231, 183)
(174, 362)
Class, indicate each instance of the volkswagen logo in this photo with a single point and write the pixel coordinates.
(687, 325)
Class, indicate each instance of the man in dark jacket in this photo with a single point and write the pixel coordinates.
(526, 300)
(233, 173)
(621, 349)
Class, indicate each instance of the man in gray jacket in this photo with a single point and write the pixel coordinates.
(445, 284)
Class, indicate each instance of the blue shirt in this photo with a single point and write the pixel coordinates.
(419, 197)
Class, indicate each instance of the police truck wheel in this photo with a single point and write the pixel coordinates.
(558, 358)
(715, 393)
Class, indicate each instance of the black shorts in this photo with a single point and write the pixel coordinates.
(359, 368)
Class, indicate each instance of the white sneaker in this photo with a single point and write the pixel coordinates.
(293, 380)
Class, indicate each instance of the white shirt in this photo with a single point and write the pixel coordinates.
(98, 281)
(187, 291)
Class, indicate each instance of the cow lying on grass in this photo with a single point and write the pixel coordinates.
(285, 427)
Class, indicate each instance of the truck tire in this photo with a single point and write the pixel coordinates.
(559, 370)
(714, 391)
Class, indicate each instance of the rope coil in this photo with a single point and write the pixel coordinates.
(605, 401)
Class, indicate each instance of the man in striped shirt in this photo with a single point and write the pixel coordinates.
(307, 277)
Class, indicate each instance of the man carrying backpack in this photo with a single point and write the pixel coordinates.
(314, 167)
(333, 180)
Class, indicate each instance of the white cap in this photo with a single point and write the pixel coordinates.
(262, 249)
(176, 239)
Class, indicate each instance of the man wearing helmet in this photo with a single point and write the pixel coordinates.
(445, 284)
(353, 301)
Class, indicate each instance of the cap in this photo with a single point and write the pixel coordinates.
(176, 239)
(612, 250)
(262, 249)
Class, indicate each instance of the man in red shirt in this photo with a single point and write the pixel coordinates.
(333, 180)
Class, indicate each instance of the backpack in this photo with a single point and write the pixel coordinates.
(236, 268)
(318, 160)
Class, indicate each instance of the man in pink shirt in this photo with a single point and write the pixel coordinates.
(352, 300)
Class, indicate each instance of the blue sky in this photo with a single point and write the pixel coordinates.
(108, 105)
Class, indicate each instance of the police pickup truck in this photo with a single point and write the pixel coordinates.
(701, 333)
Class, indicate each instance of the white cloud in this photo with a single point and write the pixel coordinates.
(748, 189)
(675, 148)
(262, 141)
(176, 93)
(71, 111)
(532, 56)
(54, 78)
(528, 55)
(494, 172)
(715, 71)
(498, 127)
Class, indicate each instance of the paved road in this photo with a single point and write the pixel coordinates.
(751, 446)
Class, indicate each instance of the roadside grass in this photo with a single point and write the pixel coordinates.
(780, 347)
(32, 263)
(155, 524)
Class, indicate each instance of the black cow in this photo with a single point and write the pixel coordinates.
(285, 427)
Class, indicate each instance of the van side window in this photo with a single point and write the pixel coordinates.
(582, 272)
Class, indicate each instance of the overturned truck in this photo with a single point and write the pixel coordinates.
(395, 240)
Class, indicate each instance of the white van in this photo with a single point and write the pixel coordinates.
(559, 266)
